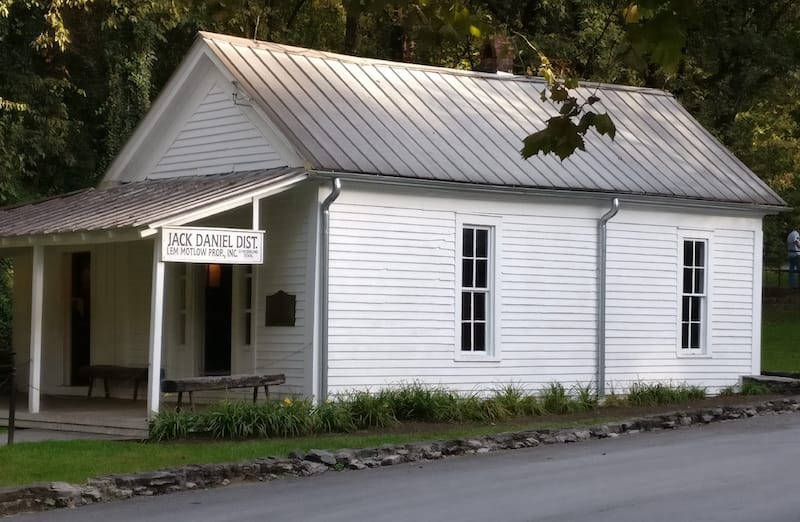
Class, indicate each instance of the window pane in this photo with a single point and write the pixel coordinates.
(466, 273)
(696, 308)
(466, 306)
(695, 335)
(699, 253)
(685, 335)
(246, 328)
(248, 293)
(482, 243)
(481, 269)
(480, 337)
(688, 253)
(685, 309)
(687, 280)
(699, 284)
(466, 336)
(468, 250)
(480, 307)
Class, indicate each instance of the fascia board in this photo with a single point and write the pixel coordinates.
(224, 205)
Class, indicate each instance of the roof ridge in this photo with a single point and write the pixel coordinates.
(360, 60)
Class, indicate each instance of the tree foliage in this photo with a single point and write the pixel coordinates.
(80, 74)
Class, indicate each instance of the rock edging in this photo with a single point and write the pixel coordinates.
(41, 497)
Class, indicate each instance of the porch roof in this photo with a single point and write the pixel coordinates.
(142, 206)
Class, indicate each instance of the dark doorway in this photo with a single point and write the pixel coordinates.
(218, 289)
(80, 317)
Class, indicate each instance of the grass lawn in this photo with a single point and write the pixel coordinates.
(780, 339)
(76, 460)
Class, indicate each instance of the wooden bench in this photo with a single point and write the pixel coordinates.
(117, 373)
(220, 382)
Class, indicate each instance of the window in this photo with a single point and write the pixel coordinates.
(247, 305)
(694, 295)
(183, 277)
(476, 289)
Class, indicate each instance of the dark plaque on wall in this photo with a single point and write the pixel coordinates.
(280, 309)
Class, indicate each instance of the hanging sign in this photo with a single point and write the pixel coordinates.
(212, 245)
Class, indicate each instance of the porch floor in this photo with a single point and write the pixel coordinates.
(126, 419)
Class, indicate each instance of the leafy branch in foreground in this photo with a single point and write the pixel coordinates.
(653, 29)
(564, 133)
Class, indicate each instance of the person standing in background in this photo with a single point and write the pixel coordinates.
(793, 249)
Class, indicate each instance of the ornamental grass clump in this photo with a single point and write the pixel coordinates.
(334, 417)
(584, 398)
(659, 393)
(370, 410)
(416, 401)
(172, 425)
(754, 388)
(555, 399)
(513, 399)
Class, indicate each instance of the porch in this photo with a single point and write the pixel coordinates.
(123, 418)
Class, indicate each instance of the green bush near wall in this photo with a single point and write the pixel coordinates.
(412, 402)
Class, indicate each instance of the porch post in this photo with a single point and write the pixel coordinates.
(156, 329)
(37, 304)
(254, 300)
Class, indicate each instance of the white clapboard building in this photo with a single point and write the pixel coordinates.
(404, 237)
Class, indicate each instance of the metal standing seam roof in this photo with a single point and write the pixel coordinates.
(351, 114)
(134, 205)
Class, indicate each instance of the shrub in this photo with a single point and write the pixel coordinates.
(585, 397)
(655, 394)
(754, 388)
(230, 420)
(512, 399)
(555, 399)
(370, 411)
(292, 418)
(172, 425)
(334, 417)
(418, 402)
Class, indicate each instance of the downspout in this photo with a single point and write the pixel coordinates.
(602, 234)
(323, 287)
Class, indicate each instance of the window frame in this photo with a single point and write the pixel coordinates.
(705, 349)
(494, 257)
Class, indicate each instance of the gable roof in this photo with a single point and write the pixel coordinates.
(142, 206)
(357, 115)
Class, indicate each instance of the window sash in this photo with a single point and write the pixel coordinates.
(693, 318)
(475, 289)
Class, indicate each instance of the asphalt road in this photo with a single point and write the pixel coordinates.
(745, 470)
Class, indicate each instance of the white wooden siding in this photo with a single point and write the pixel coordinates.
(217, 138)
(393, 297)
(643, 303)
(287, 260)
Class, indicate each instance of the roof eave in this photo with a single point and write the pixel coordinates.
(649, 199)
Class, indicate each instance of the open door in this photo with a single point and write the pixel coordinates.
(80, 317)
(217, 330)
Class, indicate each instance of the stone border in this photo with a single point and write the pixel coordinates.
(41, 497)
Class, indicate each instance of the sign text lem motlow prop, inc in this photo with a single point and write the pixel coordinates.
(212, 245)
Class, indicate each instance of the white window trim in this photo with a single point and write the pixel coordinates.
(492, 353)
(706, 350)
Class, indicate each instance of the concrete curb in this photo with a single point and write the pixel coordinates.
(40, 497)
